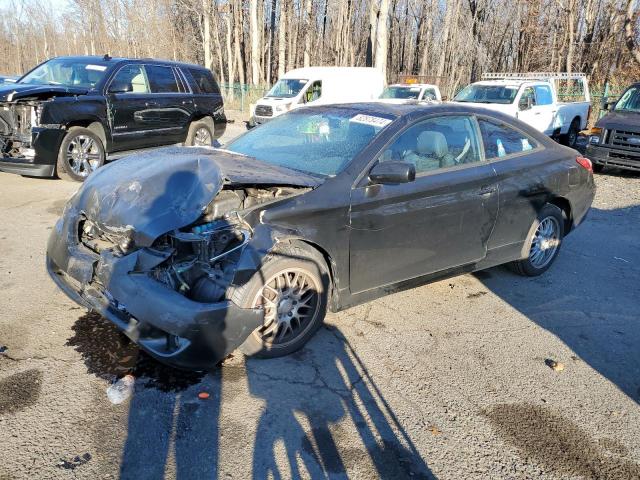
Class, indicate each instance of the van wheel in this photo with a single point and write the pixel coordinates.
(81, 153)
(291, 288)
(200, 133)
(542, 244)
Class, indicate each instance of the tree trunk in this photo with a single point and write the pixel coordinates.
(255, 42)
(629, 31)
(308, 32)
(282, 39)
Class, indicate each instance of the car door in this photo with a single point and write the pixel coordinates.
(442, 219)
(171, 108)
(128, 99)
(536, 108)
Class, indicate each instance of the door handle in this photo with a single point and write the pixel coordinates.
(150, 104)
(487, 190)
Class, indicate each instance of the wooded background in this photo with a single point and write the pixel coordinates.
(255, 41)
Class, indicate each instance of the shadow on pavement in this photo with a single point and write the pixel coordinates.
(589, 298)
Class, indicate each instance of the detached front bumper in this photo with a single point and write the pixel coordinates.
(170, 327)
(45, 144)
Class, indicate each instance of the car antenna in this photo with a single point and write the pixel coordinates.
(106, 57)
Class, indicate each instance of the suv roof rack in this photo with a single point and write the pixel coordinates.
(532, 76)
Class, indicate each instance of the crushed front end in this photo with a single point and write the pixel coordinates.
(26, 146)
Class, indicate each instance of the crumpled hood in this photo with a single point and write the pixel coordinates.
(14, 91)
(149, 194)
(620, 120)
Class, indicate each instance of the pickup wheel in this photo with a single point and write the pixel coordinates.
(81, 153)
(597, 167)
(200, 133)
(542, 244)
(291, 288)
(571, 138)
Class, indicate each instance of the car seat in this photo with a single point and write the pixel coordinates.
(432, 152)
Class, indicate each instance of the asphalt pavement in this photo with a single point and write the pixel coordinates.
(450, 380)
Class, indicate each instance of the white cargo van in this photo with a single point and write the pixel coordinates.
(318, 86)
(532, 97)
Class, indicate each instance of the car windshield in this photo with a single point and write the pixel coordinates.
(487, 94)
(630, 100)
(318, 142)
(287, 88)
(411, 93)
(66, 72)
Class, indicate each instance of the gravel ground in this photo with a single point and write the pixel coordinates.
(443, 381)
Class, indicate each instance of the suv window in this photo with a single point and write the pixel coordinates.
(161, 79)
(203, 81)
(543, 95)
(501, 140)
(436, 143)
(129, 79)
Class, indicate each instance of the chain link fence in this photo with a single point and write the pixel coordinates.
(238, 96)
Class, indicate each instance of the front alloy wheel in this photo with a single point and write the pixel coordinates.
(81, 153)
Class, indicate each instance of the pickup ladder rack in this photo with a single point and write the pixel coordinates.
(533, 76)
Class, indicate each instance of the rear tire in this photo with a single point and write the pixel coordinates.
(571, 138)
(200, 133)
(542, 244)
(597, 168)
(81, 153)
(292, 288)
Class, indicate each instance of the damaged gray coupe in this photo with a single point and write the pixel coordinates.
(193, 252)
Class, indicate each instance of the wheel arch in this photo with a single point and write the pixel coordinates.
(565, 206)
(93, 125)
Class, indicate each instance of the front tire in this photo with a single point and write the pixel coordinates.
(571, 139)
(81, 153)
(543, 242)
(292, 288)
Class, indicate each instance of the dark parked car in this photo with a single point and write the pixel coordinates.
(322, 208)
(70, 114)
(615, 139)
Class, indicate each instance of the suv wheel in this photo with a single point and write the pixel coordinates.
(200, 133)
(81, 153)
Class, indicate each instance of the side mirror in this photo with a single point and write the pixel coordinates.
(119, 88)
(526, 104)
(392, 173)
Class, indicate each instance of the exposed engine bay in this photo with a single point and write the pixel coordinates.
(203, 257)
(16, 122)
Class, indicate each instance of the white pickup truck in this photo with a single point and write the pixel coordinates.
(532, 98)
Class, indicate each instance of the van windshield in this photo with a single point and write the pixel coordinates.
(487, 94)
(287, 88)
(630, 100)
(318, 141)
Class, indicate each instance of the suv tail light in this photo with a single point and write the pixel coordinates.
(585, 163)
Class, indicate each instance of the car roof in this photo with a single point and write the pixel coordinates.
(108, 61)
(420, 85)
(409, 109)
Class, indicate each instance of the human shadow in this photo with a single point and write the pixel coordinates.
(326, 410)
(589, 296)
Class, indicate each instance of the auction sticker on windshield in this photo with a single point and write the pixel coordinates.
(98, 68)
(379, 122)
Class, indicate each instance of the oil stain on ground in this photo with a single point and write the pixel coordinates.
(557, 444)
(109, 354)
(20, 390)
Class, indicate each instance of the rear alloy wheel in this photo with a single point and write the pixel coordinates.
(291, 289)
(543, 242)
(200, 134)
(81, 153)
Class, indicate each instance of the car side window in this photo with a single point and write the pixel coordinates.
(501, 140)
(528, 95)
(543, 95)
(129, 79)
(436, 143)
(161, 79)
(202, 81)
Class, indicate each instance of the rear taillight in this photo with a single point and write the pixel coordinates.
(585, 163)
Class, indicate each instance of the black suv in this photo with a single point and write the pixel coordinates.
(615, 139)
(70, 114)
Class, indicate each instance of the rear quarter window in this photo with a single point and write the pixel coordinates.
(202, 81)
(501, 140)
